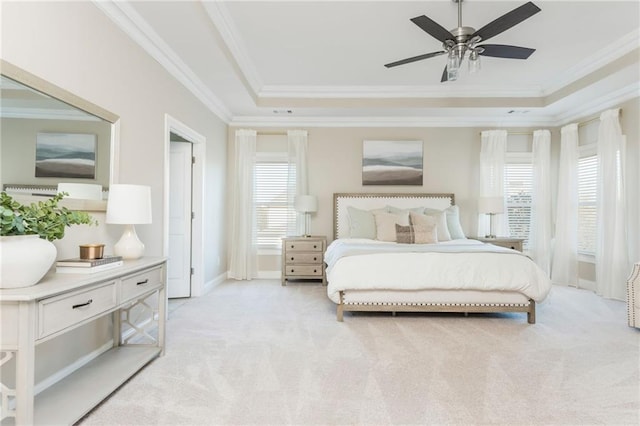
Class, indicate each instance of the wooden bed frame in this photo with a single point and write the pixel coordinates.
(407, 200)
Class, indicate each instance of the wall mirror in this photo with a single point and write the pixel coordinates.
(50, 136)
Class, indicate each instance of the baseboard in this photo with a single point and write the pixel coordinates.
(269, 275)
(79, 363)
(211, 284)
(586, 284)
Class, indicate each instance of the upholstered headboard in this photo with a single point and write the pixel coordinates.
(370, 200)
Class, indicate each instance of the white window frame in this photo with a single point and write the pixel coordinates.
(518, 158)
(587, 150)
(267, 157)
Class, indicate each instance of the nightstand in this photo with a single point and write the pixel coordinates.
(512, 243)
(303, 258)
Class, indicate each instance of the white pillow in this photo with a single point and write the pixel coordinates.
(441, 223)
(453, 223)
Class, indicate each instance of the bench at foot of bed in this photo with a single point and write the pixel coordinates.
(529, 308)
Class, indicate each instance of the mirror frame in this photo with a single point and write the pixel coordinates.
(16, 73)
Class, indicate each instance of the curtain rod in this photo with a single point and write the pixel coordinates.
(271, 133)
(580, 124)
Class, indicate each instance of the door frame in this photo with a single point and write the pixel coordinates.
(198, 142)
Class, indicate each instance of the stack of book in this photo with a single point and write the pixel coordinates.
(87, 266)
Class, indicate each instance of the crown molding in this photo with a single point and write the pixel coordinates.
(222, 20)
(454, 121)
(387, 92)
(596, 61)
(132, 24)
(596, 106)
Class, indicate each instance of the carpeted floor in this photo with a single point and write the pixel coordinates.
(259, 353)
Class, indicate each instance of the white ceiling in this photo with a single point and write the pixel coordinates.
(323, 60)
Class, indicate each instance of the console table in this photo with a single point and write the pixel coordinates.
(61, 303)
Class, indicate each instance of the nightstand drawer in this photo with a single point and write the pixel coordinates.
(306, 270)
(138, 284)
(303, 246)
(293, 257)
(60, 312)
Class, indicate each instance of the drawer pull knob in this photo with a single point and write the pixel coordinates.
(292, 258)
(292, 270)
(315, 258)
(142, 282)
(80, 305)
(314, 271)
(315, 246)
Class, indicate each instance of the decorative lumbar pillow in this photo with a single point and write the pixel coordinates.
(453, 223)
(404, 234)
(416, 234)
(386, 225)
(361, 223)
(441, 223)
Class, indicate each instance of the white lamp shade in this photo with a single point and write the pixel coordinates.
(306, 204)
(491, 205)
(85, 191)
(129, 204)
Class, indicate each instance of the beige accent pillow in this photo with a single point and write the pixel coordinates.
(386, 226)
(424, 234)
(425, 224)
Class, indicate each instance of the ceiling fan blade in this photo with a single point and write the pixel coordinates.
(432, 28)
(507, 21)
(506, 51)
(414, 59)
(445, 75)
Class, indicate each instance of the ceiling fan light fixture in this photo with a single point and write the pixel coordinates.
(474, 62)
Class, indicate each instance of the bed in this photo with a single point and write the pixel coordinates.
(434, 267)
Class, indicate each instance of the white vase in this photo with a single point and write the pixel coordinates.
(24, 260)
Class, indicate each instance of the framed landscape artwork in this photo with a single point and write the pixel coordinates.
(66, 155)
(392, 163)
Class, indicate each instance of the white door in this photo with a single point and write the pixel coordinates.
(179, 263)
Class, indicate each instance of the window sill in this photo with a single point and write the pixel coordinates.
(269, 252)
(586, 258)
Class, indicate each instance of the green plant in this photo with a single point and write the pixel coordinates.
(44, 218)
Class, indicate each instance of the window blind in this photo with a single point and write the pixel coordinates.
(270, 201)
(518, 178)
(587, 198)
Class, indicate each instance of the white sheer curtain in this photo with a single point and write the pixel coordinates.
(564, 268)
(540, 230)
(243, 253)
(612, 259)
(492, 154)
(297, 183)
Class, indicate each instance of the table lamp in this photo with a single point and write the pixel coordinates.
(306, 204)
(491, 206)
(129, 205)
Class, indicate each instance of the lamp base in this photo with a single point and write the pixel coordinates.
(129, 246)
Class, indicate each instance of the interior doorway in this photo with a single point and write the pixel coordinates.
(183, 209)
(180, 216)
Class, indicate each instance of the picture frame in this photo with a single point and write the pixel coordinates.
(66, 155)
(386, 162)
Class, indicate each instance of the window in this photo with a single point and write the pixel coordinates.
(587, 197)
(518, 178)
(270, 200)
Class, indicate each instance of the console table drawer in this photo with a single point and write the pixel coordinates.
(298, 258)
(138, 284)
(60, 312)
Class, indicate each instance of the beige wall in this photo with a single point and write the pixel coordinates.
(78, 48)
(18, 139)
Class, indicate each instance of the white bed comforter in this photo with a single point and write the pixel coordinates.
(359, 264)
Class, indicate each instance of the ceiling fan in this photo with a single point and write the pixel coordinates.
(457, 42)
